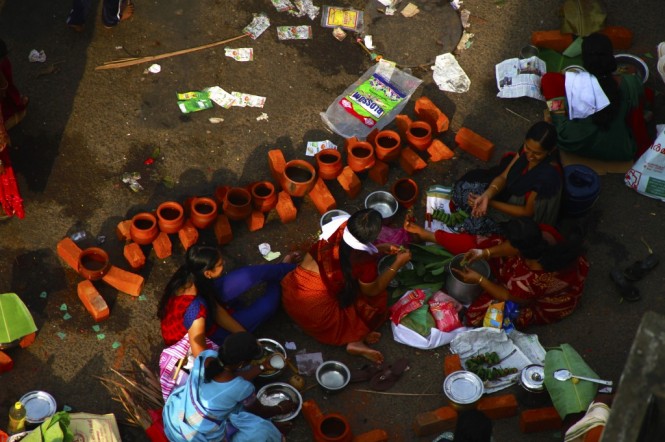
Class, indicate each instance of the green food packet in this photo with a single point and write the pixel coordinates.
(194, 95)
(194, 105)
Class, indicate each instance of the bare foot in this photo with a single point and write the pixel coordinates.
(361, 349)
(372, 337)
(126, 10)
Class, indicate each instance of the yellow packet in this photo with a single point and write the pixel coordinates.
(494, 315)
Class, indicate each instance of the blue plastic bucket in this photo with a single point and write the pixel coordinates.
(581, 188)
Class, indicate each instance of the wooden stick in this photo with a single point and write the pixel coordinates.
(517, 115)
(124, 63)
(177, 369)
(397, 394)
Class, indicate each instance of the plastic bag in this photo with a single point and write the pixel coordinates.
(647, 176)
(510, 313)
(409, 302)
(445, 315)
(371, 102)
(494, 315)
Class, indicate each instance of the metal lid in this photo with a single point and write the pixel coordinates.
(39, 405)
(532, 377)
(463, 387)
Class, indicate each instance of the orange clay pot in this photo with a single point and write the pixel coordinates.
(143, 229)
(360, 155)
(387, 145)
(298, 178)
(170, 216)
(329, 427)
(93, 263)
(329, 162)
(405, 191)
(264, 197)
(203, 212)
(419, 135)
(237, 203)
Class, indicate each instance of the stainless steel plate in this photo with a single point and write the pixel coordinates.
(39, 405)
(463, 387)
(272, 394)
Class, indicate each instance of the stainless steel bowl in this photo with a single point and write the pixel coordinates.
(463, 389)
(329, 215)
(383, 202)
(629, 63)
(388, 261)
(333, 376)
(270, 347)
(273, 394)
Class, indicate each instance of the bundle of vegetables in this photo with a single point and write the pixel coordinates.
(482, 366)
(450, 219)
(429, 265)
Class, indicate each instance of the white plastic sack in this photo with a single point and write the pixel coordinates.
(647, 176)
(437, 338)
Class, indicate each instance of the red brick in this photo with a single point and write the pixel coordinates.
(122, 230)
(134, 255)
(255, 221)
(285, 208)
(277, 164)
(27, 340)
(540, 419)
(6, 363)
(477, 145)
(622, 38)
(69, 252)
(93, 301)
(124, 281)
(349, 182)
(403, 122)
(162, 246)
(427, 111)
(411, 161)
(555, 40)
(436, 421)
(451, 364)
(438, 151)
(379, 173)
(223, 231)
(188, 235)
(372, 436)
(321, 197)
(498, 407)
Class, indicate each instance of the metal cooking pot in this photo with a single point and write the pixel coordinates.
(464, 292)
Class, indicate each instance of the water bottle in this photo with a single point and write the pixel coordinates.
(16, 418)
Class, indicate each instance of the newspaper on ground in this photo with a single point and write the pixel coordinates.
(519, 349)
(520, 78)
(449, 75)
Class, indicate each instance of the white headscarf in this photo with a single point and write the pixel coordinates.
(331, 227)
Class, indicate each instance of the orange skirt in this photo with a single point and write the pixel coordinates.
(306, 300)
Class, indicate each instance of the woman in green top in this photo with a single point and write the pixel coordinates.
(613, 133)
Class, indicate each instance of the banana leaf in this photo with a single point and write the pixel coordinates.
(567, 396)
(54, 429)
(556, 62)
(420, 320)
(15, 319)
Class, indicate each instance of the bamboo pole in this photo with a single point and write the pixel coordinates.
(132, 62)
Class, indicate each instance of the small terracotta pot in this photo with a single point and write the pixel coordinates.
(419, 135)
(264, 197)
(360, 155)
(170, 216)
(387, 145)
(329, 162)
(237, 203)
(143, 229)
(220, 194)
(298, 178)
(204, 212)
(93, 263)
(405, 191)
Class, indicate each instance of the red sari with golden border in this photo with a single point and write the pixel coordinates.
(311, 299)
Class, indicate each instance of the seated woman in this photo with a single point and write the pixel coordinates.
(198, 301)
(218, 401)
(12, 103)
(336, 294)
(527, 183)
(533, 267)
(615, 132)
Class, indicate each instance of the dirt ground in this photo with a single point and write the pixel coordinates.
(86, 128)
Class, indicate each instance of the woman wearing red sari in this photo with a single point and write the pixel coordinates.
(532, 266)
(336, 294)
